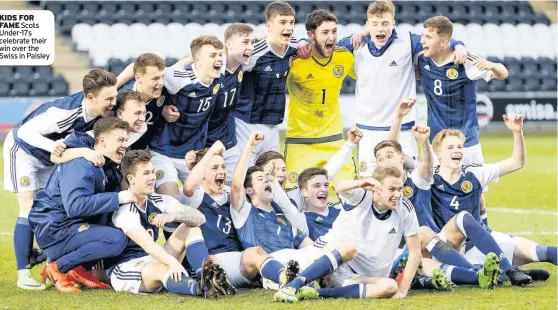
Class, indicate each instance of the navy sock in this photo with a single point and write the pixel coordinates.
(546, 253)
(271, 269)
(484, 217)
(185, 287)
(482, 239)
(444, 253)
(196, 253)
(23, 242)
(349, 291)
(321, 267)
(460, 275)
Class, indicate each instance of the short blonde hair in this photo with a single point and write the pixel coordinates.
(380, 7)
(440, 136)
(239, 29)
(200, 41)
(380, 174)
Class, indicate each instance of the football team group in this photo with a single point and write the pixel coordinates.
(192, 152)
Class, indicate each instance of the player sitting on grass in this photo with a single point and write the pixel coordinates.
(206, 191)
(67, 216)
(457, 190)
(30, 143)
(258, 203)
(145, 266)
(375, 216)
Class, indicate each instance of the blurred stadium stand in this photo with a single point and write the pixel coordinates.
(112, 33)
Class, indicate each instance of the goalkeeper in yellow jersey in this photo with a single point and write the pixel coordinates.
(314, 127)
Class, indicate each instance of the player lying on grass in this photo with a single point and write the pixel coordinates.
(450, 89)
(206, 191)
(375, 216)
(263, 216)
(130, 107)
(458, 189)
(30, 143)
(68, 215)
(145, 266)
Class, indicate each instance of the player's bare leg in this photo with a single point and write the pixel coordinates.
(527, 251)
(169, 188)
(378, 287)
(25, 279)
(484, 216)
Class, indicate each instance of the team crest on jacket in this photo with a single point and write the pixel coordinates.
(159, 174)
(151, 218)
(466, 186)
(240, 76)
(338, 71)
(160, 101)
(452, 74)
(215, 89)
(83, 228)
(362, 166)
(293, 177)
(138, 263)
(24, 181)
(407, 191)
(281, 221)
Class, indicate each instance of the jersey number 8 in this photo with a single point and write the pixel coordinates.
(438, 87)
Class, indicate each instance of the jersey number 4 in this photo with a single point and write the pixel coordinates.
(438, 87)
(454, 203)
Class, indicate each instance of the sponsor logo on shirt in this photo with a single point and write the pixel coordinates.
(268, 69)
(393, 64)
(392, 231)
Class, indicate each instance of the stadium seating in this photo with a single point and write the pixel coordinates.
(31, 81)
(113, 33)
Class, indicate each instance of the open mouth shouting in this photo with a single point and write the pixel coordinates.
(456, 157)
(268, 189)
(217, 66)
(220, 181)
(286, 35)
(246, 56)
(322, 197)
(120, 153)
(381, 37)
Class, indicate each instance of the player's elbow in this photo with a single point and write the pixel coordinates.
(188, 190)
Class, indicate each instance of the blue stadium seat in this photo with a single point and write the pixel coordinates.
(548, 84)
(4, 88)
(20, 87)
(169, 61)
(23, 71)
(496, 85)
(482, 86)
(58, 86)
(476, 11)
(459, 12)
(531, 84)
(91, 7)
(87, 18)
(146, 7)
(514, 84)
(163, 7)
(142, 18)
(492, 11)
(108, 7)
(54, 6)
(106, 18)
(66, 22)
(6, 71)
(71, 8)
(514, 69)
(43, 71)
(529, 70)
(425, 10)
(39, 88)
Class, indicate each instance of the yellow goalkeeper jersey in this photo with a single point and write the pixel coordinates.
(314, 86)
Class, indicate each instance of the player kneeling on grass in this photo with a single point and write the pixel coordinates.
(144, 266)
(206, 191)
(67, 216)
(264, 216)
(375, 216)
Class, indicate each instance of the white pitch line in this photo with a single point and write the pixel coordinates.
(521, 211)
(531, 233)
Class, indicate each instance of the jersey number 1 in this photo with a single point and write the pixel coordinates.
(323, 95)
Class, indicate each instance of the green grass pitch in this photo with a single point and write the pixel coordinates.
(531, 189)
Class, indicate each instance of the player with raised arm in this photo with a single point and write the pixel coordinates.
(264, 216)
(451, 89)
(375, 216)
(194, 91)
(261, 101)
(314, 122)
(68, 215)
(456, 194)
(384, 67)
(145, 266)
(205, 190)
(30, 143)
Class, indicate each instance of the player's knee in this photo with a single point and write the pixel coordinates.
(349, 252)
(116, 243)
(425, 235)
(25, 203)
(254, 256)
(388, 288)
